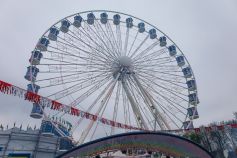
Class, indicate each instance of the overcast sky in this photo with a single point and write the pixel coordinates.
(206, 31)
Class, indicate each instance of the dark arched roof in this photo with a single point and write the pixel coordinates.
(169, 144)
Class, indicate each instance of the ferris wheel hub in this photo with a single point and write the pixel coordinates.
(125, 61)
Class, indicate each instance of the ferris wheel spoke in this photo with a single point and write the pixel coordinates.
(156, 63)
(170, 103)
(133, 43)
(170, 91)
(101, 110)
(58, 66)
(59, 53)
(138, 115)
(63, 76)
(155, 60)
(115, 112)
(61, 81)
(126, 43)
(113, 36)
(105, 56)
(166, 98)
(83, 50)
(139, 46)
(162, 72)
(80, 99)
(139, 94)
(119, 38)
(151, 106)
(101, 39)
(156, 53)
(126, 113)
(107, 37)
(78, 86)
(149, 48)
(97, 44)
(173, 82)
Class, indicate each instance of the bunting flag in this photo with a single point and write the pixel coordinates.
(10, 89)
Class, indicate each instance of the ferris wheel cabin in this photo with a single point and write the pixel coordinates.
(35, 57)
(162, 41)
(42, 44)
(193, 99)
(65, 24)
(180, 61)
(193, 113)
(191, 85)
(33, 88)
(31, 73)
(48, 127)
(77, 21)
(53, 33)
(36, 111)
(103, 18)
(172, 50)
(90, 18)
(129, 22)
(187, 72)
(152, 33)
(141, 27)
(116, 19)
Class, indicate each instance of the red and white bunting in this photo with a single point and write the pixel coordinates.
(10, 89)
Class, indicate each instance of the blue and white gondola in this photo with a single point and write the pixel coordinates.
(116, 19)
(90, 18)
(193, 99)
(42, 44)
(129, 22)
(152, 33)
(180, 60)
(103, 18)
(33, 88)
(162, 41)
(77, 21)
(187, 72)
(47, 128)
(172, 50)
(141, 27)
(65, 24)
(31, 73)
(37, 111)
(193, 113)
(191, 85)
(53, 33)
(35, 57)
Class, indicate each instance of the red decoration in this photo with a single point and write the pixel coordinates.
(56, 105)
(75, 111)
(32, 97)
(5, 87)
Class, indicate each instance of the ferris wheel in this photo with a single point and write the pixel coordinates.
(115, 66)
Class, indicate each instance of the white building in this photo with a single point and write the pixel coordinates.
(28, 143)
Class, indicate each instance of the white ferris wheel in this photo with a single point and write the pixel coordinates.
(115, 66)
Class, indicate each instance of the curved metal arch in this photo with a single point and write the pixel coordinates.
(168, 144)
